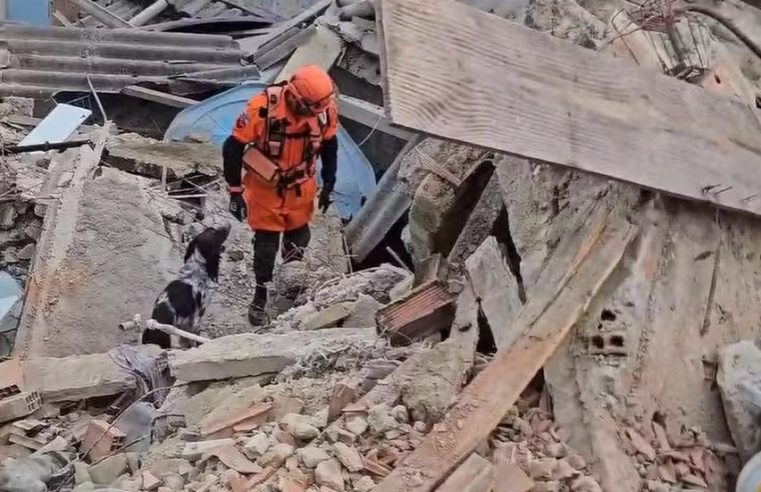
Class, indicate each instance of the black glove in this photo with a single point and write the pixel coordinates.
(238, 206)
(324, 201)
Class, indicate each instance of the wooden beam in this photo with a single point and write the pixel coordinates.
(250, 45)
(62, 19)
(321, 48)
(101, 14)
(493, 83)
(270, 55)
(370, 115)
(544, 322)
(158, 96)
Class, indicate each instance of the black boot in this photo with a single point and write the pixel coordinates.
(265, 250)
(257, 314)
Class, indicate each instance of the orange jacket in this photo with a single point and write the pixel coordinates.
(292, 142)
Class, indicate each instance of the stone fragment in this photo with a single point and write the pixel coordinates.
(555, 450)
(576, 461)
(109, 469)
(149, 482)
(173, 481)
(400, 413)
(738, 377)
(348, 456)
(356, 425)
(364, 484)
(277, 455)
(26, 253)
(330, 317)
(563, 471)
(336, 434)
(249, 354)
(81, 473)
(311, 456)
(546, 487)
(363, 312)
(419, 426)
(305, 432)
(585, 484)
(380, 420)
(257, 445)
(328, 474)
(511, 475)
(542, 469)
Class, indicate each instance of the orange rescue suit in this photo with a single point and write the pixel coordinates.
(293, 143)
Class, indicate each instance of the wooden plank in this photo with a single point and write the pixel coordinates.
(322, 48)
(496, 84)
(544, 321)
(158, 96)
(497, 290)
(250, 45)
(370, 115)
(102, 14)
(62, 19)
(475, 475)
(270, 55)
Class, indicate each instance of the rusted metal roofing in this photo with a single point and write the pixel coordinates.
(41, 61)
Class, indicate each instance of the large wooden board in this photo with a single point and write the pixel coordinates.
(462, 74)
(544, 322)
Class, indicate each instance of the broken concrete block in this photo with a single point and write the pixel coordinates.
(739, 380)
(356, 425)
(329, 317)
(257, 445)
(238, 356)
(108, 470)
(328, 474)
(400, 414)
(81, 472)
(26, 253)
(277, 455)
(305, 432)
(363, 312)
(78, 377)
(229, 455)
(510, 475)
(101, 439)
(348, 456)
(139, 155)
(8, 215)
(194, 450)
(434, 384)
(312, 456)
(586, 484)
(19, 405)
(380, 420)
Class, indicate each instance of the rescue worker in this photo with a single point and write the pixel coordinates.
(276, 142)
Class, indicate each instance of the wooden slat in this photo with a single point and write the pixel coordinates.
(250, 45)
(493, 83)
(158, 96)
(369, 115)
(321, 48)
(544, 322)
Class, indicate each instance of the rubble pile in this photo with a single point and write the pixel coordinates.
(493, 315)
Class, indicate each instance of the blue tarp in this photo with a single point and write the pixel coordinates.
(214, 119)
(32, 12)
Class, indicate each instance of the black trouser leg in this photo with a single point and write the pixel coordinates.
(295, 242)
(266, 244)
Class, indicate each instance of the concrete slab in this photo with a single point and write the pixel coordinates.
(249, 354)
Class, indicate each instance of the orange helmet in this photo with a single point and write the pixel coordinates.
(313, 86)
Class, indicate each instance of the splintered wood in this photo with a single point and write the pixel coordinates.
(564, 104)
(543, 322)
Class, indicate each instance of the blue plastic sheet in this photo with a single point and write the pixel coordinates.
(214, 119)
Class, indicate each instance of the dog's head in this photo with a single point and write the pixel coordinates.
(209, 245)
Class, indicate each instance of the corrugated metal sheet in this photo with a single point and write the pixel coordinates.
(42, 61)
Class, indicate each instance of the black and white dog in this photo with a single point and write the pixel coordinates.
(183, 302)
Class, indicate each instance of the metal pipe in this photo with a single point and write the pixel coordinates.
(148, 13)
